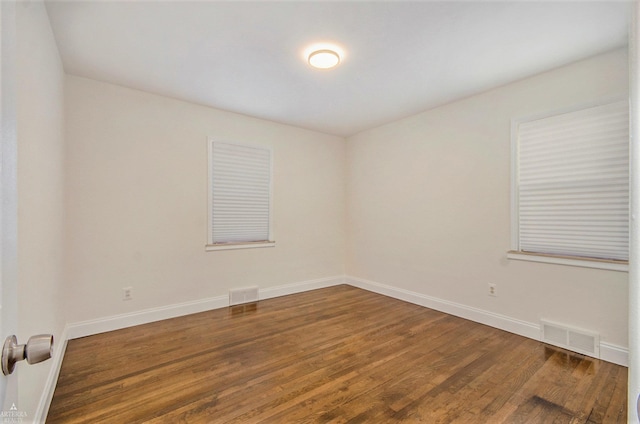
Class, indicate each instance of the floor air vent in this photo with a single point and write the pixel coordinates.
(580, 341)
(244, 295)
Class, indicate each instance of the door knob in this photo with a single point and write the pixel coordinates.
(39, 348)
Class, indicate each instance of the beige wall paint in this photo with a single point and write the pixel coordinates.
(428, 205)
(137, 202)
(40, 132)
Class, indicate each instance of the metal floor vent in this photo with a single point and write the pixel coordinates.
(580, 341)
(243, 295)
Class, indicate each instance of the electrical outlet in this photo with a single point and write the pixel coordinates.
(493, 290)
(127, 293)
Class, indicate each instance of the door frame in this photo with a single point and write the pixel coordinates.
(8, 192)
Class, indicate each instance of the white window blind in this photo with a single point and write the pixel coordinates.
(240, 193)
(573, 183)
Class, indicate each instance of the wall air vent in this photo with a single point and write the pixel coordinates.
(581, 341)
(243, 295)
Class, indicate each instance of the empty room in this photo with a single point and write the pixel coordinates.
(318, 211)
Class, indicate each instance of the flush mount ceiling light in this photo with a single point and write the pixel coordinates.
(324, 59)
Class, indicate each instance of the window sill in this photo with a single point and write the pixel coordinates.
(232, 246)
(610, 265)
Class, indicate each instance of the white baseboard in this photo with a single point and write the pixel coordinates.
(286, 289)
(60, 346)
(491, 319)
(615, 354)
(145, 316)
(608, 352)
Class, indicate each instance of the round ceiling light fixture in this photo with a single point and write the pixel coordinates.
(324, 59)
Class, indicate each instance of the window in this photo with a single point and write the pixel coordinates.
(239, 196)
(571, 185)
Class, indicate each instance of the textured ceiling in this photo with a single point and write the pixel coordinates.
(400, 58)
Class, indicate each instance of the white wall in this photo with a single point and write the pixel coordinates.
(428, 201)
(137, 202)
(40, 132)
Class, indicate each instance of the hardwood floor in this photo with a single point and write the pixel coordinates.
(333, 355)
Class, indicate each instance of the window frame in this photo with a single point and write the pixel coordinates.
(211, 246)
(515, 253)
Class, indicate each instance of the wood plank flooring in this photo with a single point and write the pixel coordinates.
(335, 355)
